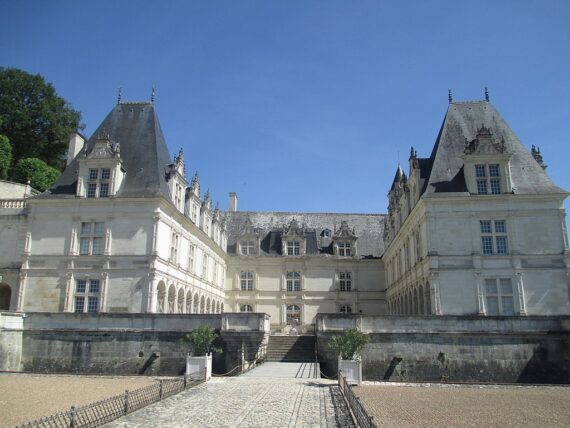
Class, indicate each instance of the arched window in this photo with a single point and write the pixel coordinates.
(171, 299)
(293, 315)
(180, 302)
(293, 281)
(345, 309)
(196, 303)
(246, 308)
(189, 302)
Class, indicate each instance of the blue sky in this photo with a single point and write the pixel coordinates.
(304, 105)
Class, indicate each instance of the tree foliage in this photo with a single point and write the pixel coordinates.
(349, 345)
(5, 156)
(41, 175)
(201, 340)
(34, 118)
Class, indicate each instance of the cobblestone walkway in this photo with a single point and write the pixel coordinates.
(248, 402)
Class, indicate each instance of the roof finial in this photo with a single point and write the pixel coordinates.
(119, 95)
(449, 97)
(152, 95)
(486, 94)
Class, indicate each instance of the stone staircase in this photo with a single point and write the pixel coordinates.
(286, 348)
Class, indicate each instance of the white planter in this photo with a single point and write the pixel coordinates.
(197, 366)
(351, 370)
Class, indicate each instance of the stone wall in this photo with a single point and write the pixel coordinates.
(146, 344)
(456, 348)
(11, 328)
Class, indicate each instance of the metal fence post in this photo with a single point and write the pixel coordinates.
(160, 391)
(73, 415)
(126, 409)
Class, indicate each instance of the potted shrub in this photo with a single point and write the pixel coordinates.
(348, 348)
(200, 341)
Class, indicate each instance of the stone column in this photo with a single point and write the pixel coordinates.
(520, 293)
(482, 310)
(73, 242)
(435, 297)
(28, 244)
(108, 238)
(21, 291)
(68, 302)
(151, 293)
(103, 293)
(156, 220)
(565, 244)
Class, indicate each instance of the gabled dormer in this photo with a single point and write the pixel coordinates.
(486, 164)
(176, 179)
(294, 241)
(344, 241)
(193, 203)
(100, 173)
(248, 239)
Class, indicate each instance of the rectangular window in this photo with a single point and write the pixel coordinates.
(247, 247)
(488, 182)
(105, 174)
(93, 174)
(92, 239)
(344, 249)
(191, 250)
(494, 170)
(480, 171)
(494, 237)
(87, 299)
(293, 281)
(482, 187)
(246, 281)
(205, 266)
(345, 281)
(92, 190)
(345, 309)
(293, 248)
(104, 190)
(499, 296)
(495, 186)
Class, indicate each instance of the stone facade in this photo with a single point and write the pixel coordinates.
(477, 228)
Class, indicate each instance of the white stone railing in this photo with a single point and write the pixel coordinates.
(12, 203)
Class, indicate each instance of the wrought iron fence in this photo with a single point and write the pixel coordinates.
(104, 411)
(363, 419)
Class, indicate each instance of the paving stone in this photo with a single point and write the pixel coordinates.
(248, 402)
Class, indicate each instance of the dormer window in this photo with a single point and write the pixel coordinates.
(344, 249)
(100, 171)
(98, 186)
(247, 247)
(488, 179)
(293, 248)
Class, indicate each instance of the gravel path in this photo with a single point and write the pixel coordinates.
(467, 406)
(26, 397)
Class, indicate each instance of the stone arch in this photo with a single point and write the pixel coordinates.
(222, 308)
(180, 301)
(189, 302)
(161, 297)
(208, 306)
(217, 307)
(202, 305)
(196, 300)
(5, 297)
(171, 299)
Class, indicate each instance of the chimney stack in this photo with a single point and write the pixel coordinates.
(76, 142)
(233, 202)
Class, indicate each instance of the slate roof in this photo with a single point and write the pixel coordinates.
(145, 156)
(369, 229)
(462, 121)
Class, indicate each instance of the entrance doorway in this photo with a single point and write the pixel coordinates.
(5, 296)
(293, 315)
